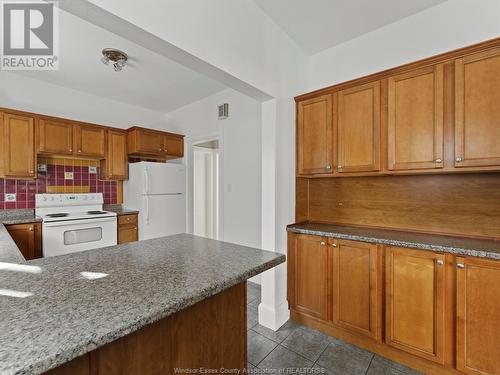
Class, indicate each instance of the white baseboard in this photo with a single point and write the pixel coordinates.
(273, 317)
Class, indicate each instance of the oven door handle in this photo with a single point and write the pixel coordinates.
(78, 222)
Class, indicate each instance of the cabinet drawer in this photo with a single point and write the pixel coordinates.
(127, 219)
(127, 234)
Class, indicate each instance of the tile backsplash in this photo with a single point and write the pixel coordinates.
(53, 181)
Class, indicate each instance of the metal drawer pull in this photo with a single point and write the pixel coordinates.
(458, 159)
(322, 243)
(328, 167)
(334, 245)
(439, 160)
(439, 262)
(460, 265)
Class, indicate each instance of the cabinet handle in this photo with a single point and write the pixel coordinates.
(322, 243)
(135, 228)
(460, 265)
(165, 150)
(439, 262)
(79, 150)
(328, 167)
(438, 160)
(31, 229)
(458, 159)
(339, 167)
(334, 245)
(70, 150)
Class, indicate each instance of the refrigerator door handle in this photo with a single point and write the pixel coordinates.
(147, 209)
(146, 180)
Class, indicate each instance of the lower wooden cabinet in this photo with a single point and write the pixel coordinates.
(28, 238)
(478, 316)
(415, 298)
(307, 272)
(127, 228)
(356, 276)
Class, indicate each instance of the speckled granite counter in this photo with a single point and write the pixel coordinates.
(8, 249)
(68, 315)
(120, 210)
(446, 244)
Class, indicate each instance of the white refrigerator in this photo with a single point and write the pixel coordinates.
(158, 191)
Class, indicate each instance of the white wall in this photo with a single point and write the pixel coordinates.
(450, 25)
(240, 159)
(27, 94)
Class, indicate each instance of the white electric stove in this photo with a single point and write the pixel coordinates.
(74, 222)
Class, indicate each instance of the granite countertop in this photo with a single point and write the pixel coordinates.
(68, 315)
(446, 244)
(120, 210)
(9, 251)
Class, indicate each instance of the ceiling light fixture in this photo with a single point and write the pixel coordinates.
(114, 56)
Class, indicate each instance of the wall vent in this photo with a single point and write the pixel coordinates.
(223, 110)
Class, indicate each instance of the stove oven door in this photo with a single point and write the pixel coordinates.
(70, 236)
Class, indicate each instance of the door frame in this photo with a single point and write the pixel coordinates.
(189, 162)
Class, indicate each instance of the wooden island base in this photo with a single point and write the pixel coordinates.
(211, 334)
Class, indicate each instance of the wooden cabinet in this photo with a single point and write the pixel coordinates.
(17, 141)
(477, 113)
(315, 135)
(358, 129)
(154, 144)
(357, 287)
(415, 298)
(173, 146)
(28, 238)
(54, 137)
(478, 316)
(115, 164)
(127, 228)
(307, 272)
(89, 141)
(415, 119)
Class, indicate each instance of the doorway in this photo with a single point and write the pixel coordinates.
(206, 189)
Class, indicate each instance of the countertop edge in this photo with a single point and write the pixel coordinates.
(399, 243)
(67, 355)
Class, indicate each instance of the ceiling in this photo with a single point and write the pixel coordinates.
(150, 80)
(316, 25)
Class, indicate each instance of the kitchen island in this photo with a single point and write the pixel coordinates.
(144, 308)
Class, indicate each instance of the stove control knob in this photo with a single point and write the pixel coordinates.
(44, 199)
(51, 198)
(84, 197)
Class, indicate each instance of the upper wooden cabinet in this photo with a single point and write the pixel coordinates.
(357, 287)
(415, 298)
(54, 137)
(415, 119)
(89, 141)
(115, 164)
(478, 314)
(28, 238)
(314, 135)
(307, 272)
(17, 142)
(358, 132)
(477, 109)
(155, 144)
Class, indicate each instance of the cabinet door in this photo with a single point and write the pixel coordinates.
(55, 137)
(149, 142)
(314, 136)
(18, 146)
(415, 302)
(415, 119)
(307, 292)
(477, 113)
(359, 129)
(27, 238)
(116, 165)
(89, 141)
(127, 234)
(173, 146)
(478, 316)
(357, 287)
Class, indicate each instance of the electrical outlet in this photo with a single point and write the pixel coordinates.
(42, 167)
(10, 197)
(68, 175)
(92, 169)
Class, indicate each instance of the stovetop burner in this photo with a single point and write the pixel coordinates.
(58, 214)
(96, 212)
